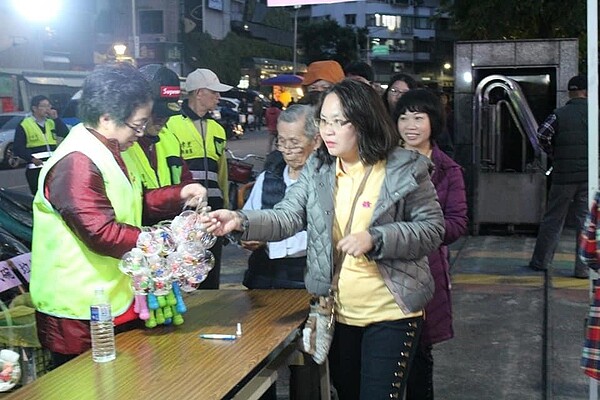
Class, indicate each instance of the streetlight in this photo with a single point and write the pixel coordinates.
(38, 10)
(296, 8)
(119, 49)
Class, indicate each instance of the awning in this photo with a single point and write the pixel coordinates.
(283, 80)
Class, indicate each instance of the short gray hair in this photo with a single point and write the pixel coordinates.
(296, 111)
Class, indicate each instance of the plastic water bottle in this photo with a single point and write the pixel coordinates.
(102, 328)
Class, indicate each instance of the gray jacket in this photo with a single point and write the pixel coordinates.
(407, 224)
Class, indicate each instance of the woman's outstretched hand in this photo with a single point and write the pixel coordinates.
(221, 222)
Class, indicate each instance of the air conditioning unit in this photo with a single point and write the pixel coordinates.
(161, 39)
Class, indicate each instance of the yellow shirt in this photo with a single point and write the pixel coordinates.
(363, 297)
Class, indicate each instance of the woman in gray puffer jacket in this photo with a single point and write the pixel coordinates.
(384, 281)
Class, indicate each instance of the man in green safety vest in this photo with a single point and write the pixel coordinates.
(35, 138)
(203, 143)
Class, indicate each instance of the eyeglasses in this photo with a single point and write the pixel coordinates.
(397, 92)
(136, 129)
(292, 145)
(335, 124)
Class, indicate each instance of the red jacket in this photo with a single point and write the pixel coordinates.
(75, 188)
(450, 187)
(271, 115)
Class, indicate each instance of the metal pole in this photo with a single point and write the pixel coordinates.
(136, 39)
(368, 47)
(592, 76)
(296, 8)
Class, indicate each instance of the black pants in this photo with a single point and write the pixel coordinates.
(420, 379)
(32, 175)
(372, 362)
(279, 273)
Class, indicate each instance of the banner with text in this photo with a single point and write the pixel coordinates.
(281, 3)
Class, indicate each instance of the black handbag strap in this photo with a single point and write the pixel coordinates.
(339, 260)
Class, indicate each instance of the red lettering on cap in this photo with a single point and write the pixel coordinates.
(170, 91)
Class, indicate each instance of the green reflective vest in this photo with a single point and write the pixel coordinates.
(166, 173)
(204, 153)
(64, 271)
(34, 135)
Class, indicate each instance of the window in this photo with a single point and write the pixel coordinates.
(423, 23)
(350, 19)
(151, 21)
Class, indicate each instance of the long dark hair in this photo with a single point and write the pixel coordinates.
(363, 107)
(423, 101)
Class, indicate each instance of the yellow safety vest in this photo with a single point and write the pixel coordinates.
(34, 135)
(203, 155)
(64, 271)
(167, 172)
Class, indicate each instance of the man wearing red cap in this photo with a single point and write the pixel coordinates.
(563, 136)
(157, 154)
(203, 142)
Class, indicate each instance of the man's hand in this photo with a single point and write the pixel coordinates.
(356, 244)
(36, 161)
(53, 114)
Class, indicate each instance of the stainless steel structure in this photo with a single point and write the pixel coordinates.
(502, 91)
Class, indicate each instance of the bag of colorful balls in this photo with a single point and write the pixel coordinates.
(169, 258)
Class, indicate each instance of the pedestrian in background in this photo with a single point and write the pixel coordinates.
(320, 76)
(563, 136)
(257, 110)
(271, 116)
(398, 85)
(347, 199)
(419, 116)
(36, 138)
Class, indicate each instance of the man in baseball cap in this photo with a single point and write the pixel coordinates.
(319, 77)
(564, 137)
(203, 78)
(203, 142)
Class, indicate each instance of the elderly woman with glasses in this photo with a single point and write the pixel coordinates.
(88, 210)
(372, 216)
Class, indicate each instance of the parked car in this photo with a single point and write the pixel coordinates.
(8, 123)
(229, 102)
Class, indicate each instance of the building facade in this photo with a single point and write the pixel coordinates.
(410, 36)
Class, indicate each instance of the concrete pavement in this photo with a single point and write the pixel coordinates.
(500, 341)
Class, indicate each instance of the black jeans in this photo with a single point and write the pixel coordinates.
(373, 362)
(32, 175)
(278, 273)
(420, 379)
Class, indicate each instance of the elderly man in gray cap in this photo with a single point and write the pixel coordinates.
(564, 137)
(203, 143)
